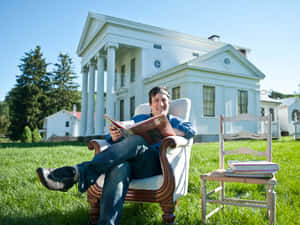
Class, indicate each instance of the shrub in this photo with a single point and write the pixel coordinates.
(26, 135)
(36, 137)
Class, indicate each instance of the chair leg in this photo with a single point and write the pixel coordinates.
(168, 208)
(222, 193)
(94, 212)
(271, 198)
(203, 200)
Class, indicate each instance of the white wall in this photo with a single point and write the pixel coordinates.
(56, 124)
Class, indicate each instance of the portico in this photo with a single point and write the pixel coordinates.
(92, 123)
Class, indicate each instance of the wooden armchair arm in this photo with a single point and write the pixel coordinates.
(168, 144)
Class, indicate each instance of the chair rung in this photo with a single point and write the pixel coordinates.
(245, 200)
(214, 191)
(213, 212)
(238, 204)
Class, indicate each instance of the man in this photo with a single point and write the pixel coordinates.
(125, 159)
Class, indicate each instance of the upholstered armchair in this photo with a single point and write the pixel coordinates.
(164, 189)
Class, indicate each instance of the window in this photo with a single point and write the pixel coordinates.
(132, 105)
(122, 110)
(132, 70)
(271, 111)
(208, 101)
(295, 115)
(122, 76)
(242, 101)
(67, 123)
(175, 93)
(67, 134)
(157, 46)
(262, 111)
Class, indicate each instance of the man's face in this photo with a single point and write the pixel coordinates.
(160, 104)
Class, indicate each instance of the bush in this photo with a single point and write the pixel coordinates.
(36, 137)
(26, 135)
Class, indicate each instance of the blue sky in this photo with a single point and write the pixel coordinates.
(271, 29)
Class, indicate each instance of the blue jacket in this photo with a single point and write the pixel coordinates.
(175, 122)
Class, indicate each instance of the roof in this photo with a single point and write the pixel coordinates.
(96, 23)
(199, 64)
(289, 101)
(266, 98)
(78, 114)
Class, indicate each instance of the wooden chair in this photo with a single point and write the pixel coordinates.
(164, 189)
(219, 174)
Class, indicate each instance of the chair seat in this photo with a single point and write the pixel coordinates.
(219, 175)
(149, 183)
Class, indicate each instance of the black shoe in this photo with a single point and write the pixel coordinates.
(61, 179)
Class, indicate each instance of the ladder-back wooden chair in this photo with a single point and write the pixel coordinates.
(219, 174)
(164, 189)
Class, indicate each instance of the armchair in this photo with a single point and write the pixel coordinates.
(164, 189)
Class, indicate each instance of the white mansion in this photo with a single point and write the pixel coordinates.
(122, 60)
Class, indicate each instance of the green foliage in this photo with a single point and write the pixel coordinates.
(25, 201)
(26, 136)
(39, 93)
(36, 137)
(64, 92)
(4, 118)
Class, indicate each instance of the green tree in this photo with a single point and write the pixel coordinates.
(29, 99)
(36, 137)
(64, 93)
(26, 136)
(4, 118)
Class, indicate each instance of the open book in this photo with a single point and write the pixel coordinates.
(153, 130)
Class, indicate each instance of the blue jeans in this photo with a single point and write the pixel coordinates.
(127, 159)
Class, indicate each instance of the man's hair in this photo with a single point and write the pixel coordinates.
(154, 91)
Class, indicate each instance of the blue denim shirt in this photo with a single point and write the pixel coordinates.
(175, 122)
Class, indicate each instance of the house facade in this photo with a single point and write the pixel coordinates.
(289, 113)
(270, 107)
(125, 59)
(62, 124)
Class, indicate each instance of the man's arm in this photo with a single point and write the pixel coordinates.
(182, 128)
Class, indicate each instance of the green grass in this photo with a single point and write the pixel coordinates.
(24, 201)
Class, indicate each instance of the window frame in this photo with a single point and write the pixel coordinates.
(209, 103)
(242, 106)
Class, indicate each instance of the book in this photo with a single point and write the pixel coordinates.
(253, 166)
(229, 172)
(153, 130)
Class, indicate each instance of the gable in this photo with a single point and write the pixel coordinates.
(228, 60)
(91, 28)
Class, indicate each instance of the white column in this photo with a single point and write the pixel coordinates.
(110, 98)
(91, 100)
(84, 101)
(99, 127)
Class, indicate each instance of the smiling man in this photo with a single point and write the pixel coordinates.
(125, 159)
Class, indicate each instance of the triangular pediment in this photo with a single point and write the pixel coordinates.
(93, 24)
(227, 60)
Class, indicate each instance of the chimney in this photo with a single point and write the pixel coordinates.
(74, 109)
(214, 37)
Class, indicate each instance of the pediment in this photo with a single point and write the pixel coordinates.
(227, 60)
(92, 26)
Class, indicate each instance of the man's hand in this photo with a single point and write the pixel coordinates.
(114, 133)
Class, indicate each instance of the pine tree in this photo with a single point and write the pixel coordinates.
(29, 99)
(64, 93)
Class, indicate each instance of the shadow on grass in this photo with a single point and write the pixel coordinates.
(77, 217)
(42, 144)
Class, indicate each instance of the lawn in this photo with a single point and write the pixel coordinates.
(24, 201)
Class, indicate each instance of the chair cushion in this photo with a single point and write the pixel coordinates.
(149, 183)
